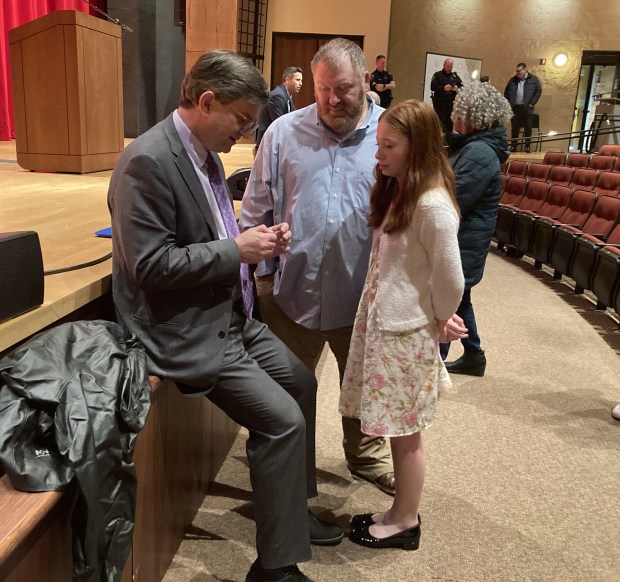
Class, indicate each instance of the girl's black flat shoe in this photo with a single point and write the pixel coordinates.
(408, 539)
(363, 519)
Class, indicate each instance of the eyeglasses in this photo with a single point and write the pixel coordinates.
(248, 125)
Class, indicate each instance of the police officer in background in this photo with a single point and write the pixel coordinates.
(382, 82)
(444, 86)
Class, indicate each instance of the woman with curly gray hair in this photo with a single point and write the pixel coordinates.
(479, 115)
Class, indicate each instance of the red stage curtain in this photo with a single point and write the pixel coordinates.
(14, 13)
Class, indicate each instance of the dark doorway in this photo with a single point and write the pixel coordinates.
(290, 49)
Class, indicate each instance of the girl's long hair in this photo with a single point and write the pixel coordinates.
(428, 167)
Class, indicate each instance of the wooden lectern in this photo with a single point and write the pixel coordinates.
(67, 92)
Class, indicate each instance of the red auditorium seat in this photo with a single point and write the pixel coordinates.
(538, 171)
(504, 182)
(503, 167)
(554, 158)
(606, 277)
(532, 201)
(600, 223)
(584, 179)
(609, 150)
(517, 168)
(514, 191)
(579, 209)
(560, 175)
(577, 160)
(556, 203)
(602, 163)
(608, 184)
(584, 257)
(511, 196)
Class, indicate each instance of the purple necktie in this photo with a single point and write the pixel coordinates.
(232, 230)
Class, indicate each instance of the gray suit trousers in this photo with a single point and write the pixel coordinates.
(265, 388)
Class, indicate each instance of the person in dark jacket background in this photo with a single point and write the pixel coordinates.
(523, 92)
(444, 85)
(280, 100)
(479, 115)
(382, 82)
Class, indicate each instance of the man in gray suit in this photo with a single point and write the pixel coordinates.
(181, 283)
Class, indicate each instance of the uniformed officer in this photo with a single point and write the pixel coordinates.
(444, 86)
(382, 82)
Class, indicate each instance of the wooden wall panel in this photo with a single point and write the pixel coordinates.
(35, 536)
(178, 453)
(210, 24)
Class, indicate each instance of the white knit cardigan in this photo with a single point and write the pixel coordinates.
(420, 273)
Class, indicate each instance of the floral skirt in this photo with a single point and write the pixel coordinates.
(392, 380)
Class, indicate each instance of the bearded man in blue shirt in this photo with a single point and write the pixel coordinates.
(314, 169)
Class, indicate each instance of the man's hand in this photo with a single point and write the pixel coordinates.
(261, 242)
(447, 87)
(452, 329)
(283, 233)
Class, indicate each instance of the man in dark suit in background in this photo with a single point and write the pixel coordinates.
(280, 100)
(523, 92)
(181, 283)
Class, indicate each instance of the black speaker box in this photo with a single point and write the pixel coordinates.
(21, 273)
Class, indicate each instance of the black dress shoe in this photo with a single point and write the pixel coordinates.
(366, 519)
(287, 574)
(323, 534)
(470, 363)
(408, 539)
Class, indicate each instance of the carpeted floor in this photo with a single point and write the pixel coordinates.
(523, 465)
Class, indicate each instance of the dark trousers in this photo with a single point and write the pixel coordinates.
(523, 118)
(444, 111)
(466, 311)
(265, 388)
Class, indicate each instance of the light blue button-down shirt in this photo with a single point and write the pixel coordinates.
(320, 184)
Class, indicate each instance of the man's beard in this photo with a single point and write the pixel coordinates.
(345, 123)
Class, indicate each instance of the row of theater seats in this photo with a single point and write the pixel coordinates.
(572, 225)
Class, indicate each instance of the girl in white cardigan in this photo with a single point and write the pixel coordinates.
(413, 287)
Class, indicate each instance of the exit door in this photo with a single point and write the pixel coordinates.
(596, 82)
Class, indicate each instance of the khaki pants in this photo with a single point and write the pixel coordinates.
(366, 455)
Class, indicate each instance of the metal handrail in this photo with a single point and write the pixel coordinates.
(568, 136)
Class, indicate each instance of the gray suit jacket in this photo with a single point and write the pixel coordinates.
(173, 278)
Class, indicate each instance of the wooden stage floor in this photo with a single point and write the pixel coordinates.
(65, 210)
